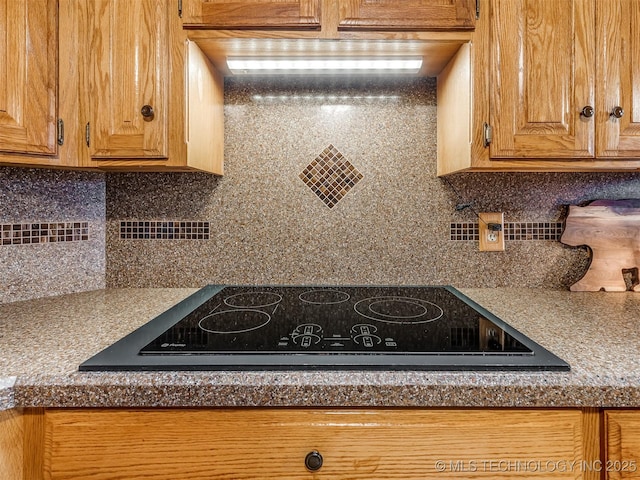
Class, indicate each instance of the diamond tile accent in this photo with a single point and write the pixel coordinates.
(330, 176)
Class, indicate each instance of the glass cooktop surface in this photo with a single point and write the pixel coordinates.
(358, 320)
(281, 327)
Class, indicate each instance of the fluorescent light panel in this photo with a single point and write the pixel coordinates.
(260, 65)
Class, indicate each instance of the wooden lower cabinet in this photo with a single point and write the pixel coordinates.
(622, 451)
(11, 433)
(255, 443)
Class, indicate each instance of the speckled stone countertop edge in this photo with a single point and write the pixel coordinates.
(323, 389)
(7, 392)
(119, 396)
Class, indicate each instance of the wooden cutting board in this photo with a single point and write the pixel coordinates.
(611, 229)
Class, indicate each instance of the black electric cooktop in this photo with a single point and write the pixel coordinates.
(328, 327)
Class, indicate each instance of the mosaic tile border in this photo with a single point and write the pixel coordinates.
(43, 232)
(464, 232)
(517, 231)
(164, 230)
(533, 231)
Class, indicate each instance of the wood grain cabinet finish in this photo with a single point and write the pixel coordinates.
(11, 449)
(154, 102)
(407, 15)
(129, 69)
(273, 443)
(28, 76)
(225, 14)
(542, 75)
(39, 83)
(564, 79)
(555, 87)
(552, 61)
(618, 78)
(622, 447)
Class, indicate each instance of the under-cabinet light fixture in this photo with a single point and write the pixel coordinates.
(317, 65)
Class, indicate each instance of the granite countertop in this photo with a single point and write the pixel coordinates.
(43, 341)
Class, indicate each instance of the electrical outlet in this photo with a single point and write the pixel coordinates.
(491, 228)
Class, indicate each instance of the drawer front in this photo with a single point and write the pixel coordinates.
(225, 14)
(273, 443)
(407, 15)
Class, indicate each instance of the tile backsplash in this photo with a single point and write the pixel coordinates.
(52, 232)
(396, 226)
(327, 181)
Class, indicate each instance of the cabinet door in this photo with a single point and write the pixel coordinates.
(230, 14)
(129, 69)
(542, 75)
(408, 14)
(28, 76)
(622, 444)
(618, 78)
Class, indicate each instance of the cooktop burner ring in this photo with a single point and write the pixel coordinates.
(255, 323)
(403, 317)
(363, 308)
(338, 296)
(277, 298)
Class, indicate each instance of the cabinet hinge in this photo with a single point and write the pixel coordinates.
(180, 8)
(60, 133)
(488, 134)
(87, 134)
(477, 9)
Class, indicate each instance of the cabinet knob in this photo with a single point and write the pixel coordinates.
(147, 112)
(587, 112)
(313, 461)
(617, 112)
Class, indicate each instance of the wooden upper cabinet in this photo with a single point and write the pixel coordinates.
(542, 75)
(407, 15)
(28, 76)
(128, 78)
(618, 80)
(233, 14)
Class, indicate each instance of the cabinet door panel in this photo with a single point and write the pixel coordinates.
(129, 69)
(622, 444)
(542, 75)
(28, 58)
(618, 78)
(408, 14)
(230, 14)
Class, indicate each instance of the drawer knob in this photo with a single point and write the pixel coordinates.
(313, 461)
(617, 112)
(587, 112)
(147, 112)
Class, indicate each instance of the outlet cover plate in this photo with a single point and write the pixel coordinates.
(491, 241)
